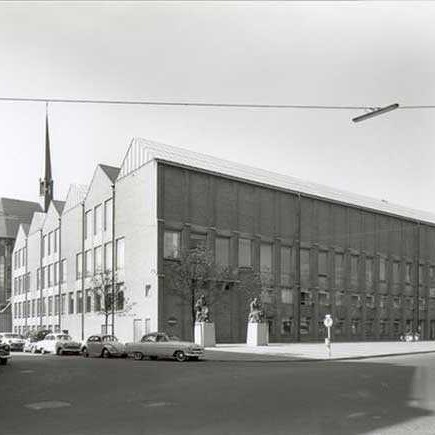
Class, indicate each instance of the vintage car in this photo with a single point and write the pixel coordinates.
(59, 344)
(162, 345)
(29, 344)
(5, 353)
(104, 346)
(15, 341)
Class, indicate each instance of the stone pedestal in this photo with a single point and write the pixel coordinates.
(258, 334)
(205, 334)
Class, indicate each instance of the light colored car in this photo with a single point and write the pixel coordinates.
(104, 346)
(29, 344)
(162, 345)
(15, 341)
(59, 344)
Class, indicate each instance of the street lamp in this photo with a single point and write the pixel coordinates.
(376, 112)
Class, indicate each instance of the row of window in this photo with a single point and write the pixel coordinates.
(50, 305)
(51, 275)
(50, 243)
(400, 272)
(100, 259)
(98, 219)
(22, 284)
(19, 258)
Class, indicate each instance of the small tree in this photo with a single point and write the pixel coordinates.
(103, 296)
(196, 273)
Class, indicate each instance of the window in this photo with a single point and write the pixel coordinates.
(55, 273)
(286, 296)
(108, 215)
(63, 303)
(339, 270)
(306, 297)
(50, 305)
(62, 271)
(88, 301)
(355, 327)
(171, 244)
(120, 254)
(49, 275)
(397, 302)
(266, 260)
(38, 307)
(245, 252)
(382, 269)
(324, 298)
(97, 302)
(383, 301)
(197, 240)
(55, 240)
(408, 272)
(33, 307)
(44, 306)
(79, 265)
(98, 219)
(323, 270)
(354, 271)
(286, 326)
(43, 277)
(71, 303)
(56, 305)
(108, 256)
(79, 302)
(370, 301)
(369, 273)
(38, 278)
(305, 267)
(222, 251)
(396, 275)
(355, 300)
(339, 298)
(98, 266)
(44, 246)
(88, 262)
(88, 224)
(120, 300)
(286, 266)
(49, 242)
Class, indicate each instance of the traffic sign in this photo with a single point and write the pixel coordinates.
(328, 322)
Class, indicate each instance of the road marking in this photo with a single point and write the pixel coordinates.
(47, 405)
(150, 404)
(27, 371)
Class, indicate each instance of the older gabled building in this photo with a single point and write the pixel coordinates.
(369, 263)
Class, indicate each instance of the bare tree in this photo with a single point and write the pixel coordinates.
(106, 299)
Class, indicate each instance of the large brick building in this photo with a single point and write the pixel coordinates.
(367, 262)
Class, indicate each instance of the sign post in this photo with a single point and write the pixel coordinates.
(328, 322)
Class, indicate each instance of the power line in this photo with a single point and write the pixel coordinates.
(200, 104)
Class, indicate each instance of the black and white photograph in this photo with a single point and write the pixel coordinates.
(217, 217)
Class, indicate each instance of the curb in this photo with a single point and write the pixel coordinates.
(296, 360)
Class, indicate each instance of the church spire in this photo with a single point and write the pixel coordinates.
(46, 184)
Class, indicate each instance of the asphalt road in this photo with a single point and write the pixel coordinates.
(77, 396)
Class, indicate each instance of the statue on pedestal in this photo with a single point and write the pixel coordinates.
(202, 311)
(256, 314)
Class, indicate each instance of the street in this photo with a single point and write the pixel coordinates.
(74, 395)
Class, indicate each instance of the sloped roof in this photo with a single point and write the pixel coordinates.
(142, 151)
(37, 222)
(111, 171)
(26, 228)
(14, 212)
(59, 206)
(76, 194)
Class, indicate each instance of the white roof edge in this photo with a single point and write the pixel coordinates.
(152, 150)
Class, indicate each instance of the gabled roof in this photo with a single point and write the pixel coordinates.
(13, 212)
(111, 171)
(37, 222)
(142, 151)
(76, 195)
(59, 206)
(26, 228)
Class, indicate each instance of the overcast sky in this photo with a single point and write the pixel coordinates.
(311, 53)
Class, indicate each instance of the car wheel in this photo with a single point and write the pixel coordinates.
(85, 352)
(105, 353)
(3, 361)
(33, 349)
(138, 356)
(194, 358)
(153, 358)
(180, 356)
(42, 351)
(59, 351)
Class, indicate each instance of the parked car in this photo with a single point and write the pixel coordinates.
(162, 345)
(104, 346)
(59, 344)
(5, 353)
(15, 341)
(29, 344)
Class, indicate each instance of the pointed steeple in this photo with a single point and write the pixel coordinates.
(46, 184)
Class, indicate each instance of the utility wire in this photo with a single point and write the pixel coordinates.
(200, 104)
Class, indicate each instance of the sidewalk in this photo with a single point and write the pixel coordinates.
(315, 351)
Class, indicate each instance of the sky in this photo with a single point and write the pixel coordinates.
(365, 53)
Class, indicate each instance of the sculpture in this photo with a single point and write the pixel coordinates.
(256, 314)
(202, 311)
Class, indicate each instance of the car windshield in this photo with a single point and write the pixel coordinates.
(64, 337)
(109, 338)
